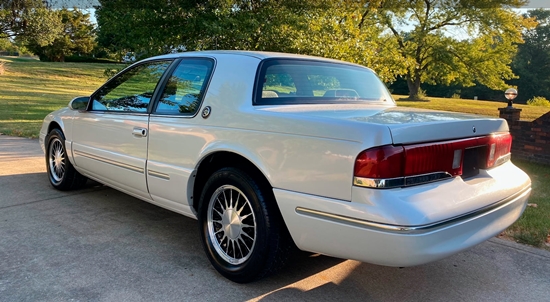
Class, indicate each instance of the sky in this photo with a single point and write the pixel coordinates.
(538, 4)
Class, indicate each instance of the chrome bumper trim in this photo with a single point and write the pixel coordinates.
(388, 183)
(412, 229)
(109, 161)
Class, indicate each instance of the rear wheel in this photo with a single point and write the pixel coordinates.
(61, 172)
(241, 228)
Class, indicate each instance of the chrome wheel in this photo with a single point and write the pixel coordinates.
(56, 160)
(231, 224)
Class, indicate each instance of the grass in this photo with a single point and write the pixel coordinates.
(487, 108)
(533, 227)
(30, 89)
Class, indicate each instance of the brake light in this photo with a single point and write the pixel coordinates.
(381, 162)
(394, 166)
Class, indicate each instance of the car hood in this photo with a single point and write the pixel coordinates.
(407, 125)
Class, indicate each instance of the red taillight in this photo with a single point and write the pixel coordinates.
(439, 158)
(381, 162)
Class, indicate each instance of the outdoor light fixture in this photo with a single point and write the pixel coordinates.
(510, 95)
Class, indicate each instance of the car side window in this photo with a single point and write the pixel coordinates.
(185, 88)
(131, 91)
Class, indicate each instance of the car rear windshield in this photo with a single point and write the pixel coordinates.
(288, 81)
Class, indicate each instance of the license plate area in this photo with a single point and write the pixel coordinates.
(474, 159)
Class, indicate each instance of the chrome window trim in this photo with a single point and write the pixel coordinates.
(109, 161)
(117, 112)
(415, 229)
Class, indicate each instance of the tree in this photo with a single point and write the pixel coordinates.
(149, 28)
(30, 19)
(317, 27)
(425, 35)
(146, 28)
(532, 61)
(77, 37)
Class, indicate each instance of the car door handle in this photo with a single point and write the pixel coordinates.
(139, 132)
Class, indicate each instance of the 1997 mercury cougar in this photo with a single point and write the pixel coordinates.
(269, 151)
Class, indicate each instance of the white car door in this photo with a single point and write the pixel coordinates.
(175, 141)
(110, 138)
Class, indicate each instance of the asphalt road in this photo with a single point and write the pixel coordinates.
(97, 244)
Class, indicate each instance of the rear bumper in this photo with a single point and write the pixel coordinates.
(349, 237)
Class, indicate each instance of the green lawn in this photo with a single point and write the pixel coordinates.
(488, 108)
(30, 89)
(534, 225)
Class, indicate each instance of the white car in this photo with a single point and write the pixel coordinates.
(269, 151)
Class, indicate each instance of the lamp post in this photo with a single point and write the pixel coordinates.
(510, 95)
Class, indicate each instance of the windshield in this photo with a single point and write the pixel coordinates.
(285, 81)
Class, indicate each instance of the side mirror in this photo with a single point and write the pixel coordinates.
(79, 103)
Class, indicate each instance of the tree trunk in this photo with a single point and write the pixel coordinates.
(414, 87)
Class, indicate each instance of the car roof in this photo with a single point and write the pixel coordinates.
(261, 55)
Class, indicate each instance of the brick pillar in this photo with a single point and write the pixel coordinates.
(510, 114)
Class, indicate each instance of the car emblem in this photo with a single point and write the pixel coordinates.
(206, 112)
(474, 129)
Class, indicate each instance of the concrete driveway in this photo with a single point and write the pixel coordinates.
(97, 244)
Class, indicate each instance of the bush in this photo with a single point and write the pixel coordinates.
(421, 94)
(539, 101)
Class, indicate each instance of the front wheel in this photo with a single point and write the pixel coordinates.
(241, 228)
(61, 172)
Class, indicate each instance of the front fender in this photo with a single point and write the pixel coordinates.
(62, 119)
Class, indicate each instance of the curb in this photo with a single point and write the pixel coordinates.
(521, 247)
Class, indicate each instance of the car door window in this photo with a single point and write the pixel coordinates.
(185, 88)
(131, 91)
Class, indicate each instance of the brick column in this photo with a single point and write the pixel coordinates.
(510, 114)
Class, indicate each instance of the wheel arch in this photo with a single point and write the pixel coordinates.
(220, 159)
(54, 125)
(54, 121)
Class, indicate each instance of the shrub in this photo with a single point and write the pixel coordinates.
(421, 94)
(539, 101)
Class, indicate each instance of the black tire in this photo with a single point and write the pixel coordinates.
(61, 173)
(241, 228)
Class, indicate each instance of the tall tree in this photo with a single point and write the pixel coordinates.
(320, 27)
(427, 34)
(532, 61)
(31, 19)
(77, 37)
